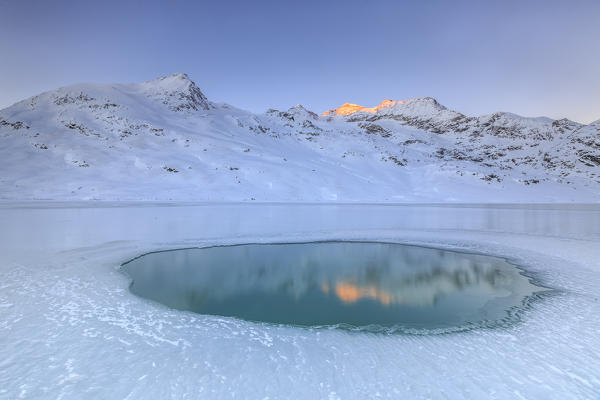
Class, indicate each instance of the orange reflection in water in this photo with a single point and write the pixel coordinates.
(350, 293)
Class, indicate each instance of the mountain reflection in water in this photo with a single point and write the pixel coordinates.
(325, 283)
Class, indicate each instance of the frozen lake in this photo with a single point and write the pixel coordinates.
(70, 328)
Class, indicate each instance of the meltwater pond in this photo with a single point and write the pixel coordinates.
(369, 285)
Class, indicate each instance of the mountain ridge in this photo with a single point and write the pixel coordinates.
(163, 139)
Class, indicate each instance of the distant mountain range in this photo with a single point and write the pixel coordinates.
(164, 140)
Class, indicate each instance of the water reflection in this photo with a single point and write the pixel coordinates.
(333, 282)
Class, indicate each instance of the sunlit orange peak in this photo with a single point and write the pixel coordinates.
(349, 108)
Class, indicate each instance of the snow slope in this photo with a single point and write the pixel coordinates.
(164, 140)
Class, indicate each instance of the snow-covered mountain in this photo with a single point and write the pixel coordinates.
(164, 140)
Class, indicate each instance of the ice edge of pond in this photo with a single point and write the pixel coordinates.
(515, 314)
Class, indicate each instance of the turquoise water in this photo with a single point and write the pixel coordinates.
(350, 284)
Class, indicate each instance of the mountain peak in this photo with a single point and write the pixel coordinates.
(178, 91)
(300, 110)
(176, 79)
(350, 108)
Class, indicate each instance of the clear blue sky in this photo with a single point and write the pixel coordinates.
(529, 57)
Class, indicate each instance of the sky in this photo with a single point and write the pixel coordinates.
(533, 58)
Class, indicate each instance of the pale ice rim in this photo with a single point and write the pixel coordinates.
(514, 315)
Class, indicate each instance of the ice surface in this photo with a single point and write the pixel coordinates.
(69, 328)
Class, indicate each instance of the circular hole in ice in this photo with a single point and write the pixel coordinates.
(356, 285)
